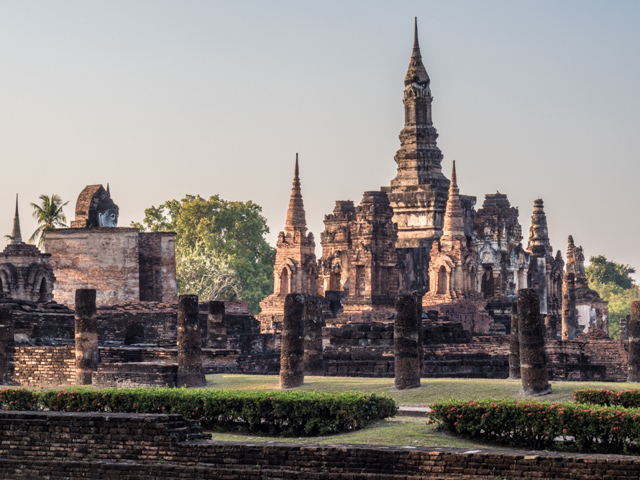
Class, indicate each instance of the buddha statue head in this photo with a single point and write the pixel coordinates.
(95, 209)
(107, 212)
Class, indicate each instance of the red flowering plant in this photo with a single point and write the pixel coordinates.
(543, 425)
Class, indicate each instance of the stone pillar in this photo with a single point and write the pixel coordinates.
(312, 314)
(87, 353)
(405, 343)
(418, 298)
(569, 318)
(216, 328)
(190, 371)
(633, 374)
(533, 358)
(514, 344)
(623, 329)
(551, 326)
(292, 344)
(6, 342)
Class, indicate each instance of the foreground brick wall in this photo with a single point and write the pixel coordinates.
(129, 446)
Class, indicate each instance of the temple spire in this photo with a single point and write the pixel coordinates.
(453, 228)
(539, 243)
(416, 72)
(16, 235)
(296, 219)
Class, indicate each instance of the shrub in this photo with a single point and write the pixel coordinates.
(625, 398)
(274, 413)
(540, 425)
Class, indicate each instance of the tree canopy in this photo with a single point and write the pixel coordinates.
(601, 270)
(221, 252)
(49, 214)
(614, 283)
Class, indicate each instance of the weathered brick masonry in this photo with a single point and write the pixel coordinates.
(44, 366)
(130, 446)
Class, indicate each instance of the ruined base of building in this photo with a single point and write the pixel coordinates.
(365, 348)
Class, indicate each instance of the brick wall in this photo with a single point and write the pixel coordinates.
(129, 375)
(44, 366)
(131, 446)
(158, 267)
(102, 258)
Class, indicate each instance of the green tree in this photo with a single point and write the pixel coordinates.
(229, 234)
(204, 273)
(49, 214)
(601, 270)
(614, 283)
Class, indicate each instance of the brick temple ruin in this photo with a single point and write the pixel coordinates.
(418, 234)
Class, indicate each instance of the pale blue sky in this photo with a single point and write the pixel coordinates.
(160, 99)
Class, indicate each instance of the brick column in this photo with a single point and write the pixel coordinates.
(292, 344)
(624, 328)
(514, 344)
(418, 298)
(216, 328)
(6, 342)
(87, 353)
(551, 326)
(190, 371)
(406, 342)
(569, 320)
(312, 314)
(633, 374)
(533, 358)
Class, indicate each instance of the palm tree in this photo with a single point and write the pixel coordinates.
(49, 215)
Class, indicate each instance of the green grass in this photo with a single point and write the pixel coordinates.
(431, 391)
(399, 431)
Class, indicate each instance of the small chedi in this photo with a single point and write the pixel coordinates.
(295, 269)
(25, 272)
(590, 310)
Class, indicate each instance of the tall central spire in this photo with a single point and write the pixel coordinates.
(416, 73)
(296, 219)
(16, 235)
(419, 158)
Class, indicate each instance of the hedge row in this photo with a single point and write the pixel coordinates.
(600, 396)
(274, 413)
(565, 426)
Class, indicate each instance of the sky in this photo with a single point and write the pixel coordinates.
(535, 99)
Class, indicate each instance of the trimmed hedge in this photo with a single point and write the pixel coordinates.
(276, 413)
(565, 426)
(600, 396)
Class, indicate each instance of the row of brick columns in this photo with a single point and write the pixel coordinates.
(527, 356)
(301, 344)
(190, 369)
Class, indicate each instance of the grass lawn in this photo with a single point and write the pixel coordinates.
(398, 431)
(431, 391)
